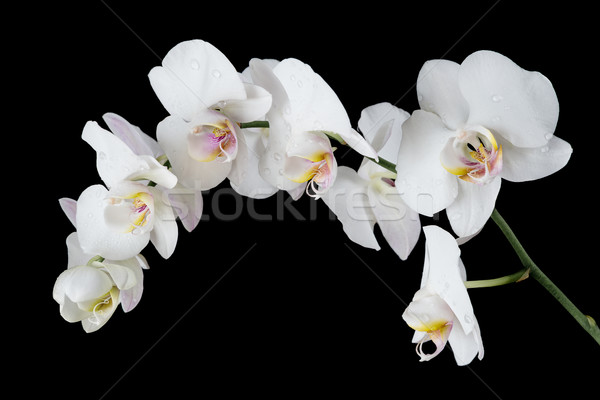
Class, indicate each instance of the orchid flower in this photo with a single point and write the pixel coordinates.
(304, 114)
(207, 99)
(360, 199)
(118, 222)
(480, 121)
(441, 310)
(90, 290)
(187, 203)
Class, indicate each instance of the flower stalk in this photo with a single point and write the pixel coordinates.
(536, 273)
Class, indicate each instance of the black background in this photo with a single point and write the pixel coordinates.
(246, 307)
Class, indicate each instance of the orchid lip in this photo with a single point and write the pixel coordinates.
(473, 155)
(213, 141)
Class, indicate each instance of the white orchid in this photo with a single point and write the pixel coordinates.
(441, 310)
(118, 222)
(206, 98)
(187, 203)
(360, 199)
(480, 121)
(305, 111)
(90, 289)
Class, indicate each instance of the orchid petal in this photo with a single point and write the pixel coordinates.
(172, 133)
(519, 105)
(253, 108)
(132, 136)
(69, 207)
(131, 297)
(187, 204)
(195, 75)
(381, 124)
(466, 346)
(84, 283)
(244, 176)
(424, 184)
(473, 206)
(164, 232)
(438, 92)
(347, 199)
(525, 164)
(76, 256)
(122, 276)
(95, 236)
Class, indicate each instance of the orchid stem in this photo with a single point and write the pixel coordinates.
(536, 273)
(390, 166)
(254, 124)
(516, 277)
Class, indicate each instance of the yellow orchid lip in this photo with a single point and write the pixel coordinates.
(473, 155)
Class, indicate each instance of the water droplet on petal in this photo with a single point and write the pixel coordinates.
(497, 98)
(267, 171)
(281, 172)
(194, 64)
(544, 149)
(300, 84)
(468, 319)
(216, 73)
(101, 156)
(292, 77)
(496, 119)
(548, 136)
(276, 156)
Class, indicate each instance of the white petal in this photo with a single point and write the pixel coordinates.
(195, 75)
(76, 256)
(473, 206)
(438, 92)
(244, 176)
(347, 199)
(465, 347)
(164, 233)
(69, 207)
(122, 276)
(187, 204)
(132, 136)
(131, 297)
(399, 224)
(520, 164)
(172, 135)
(95, 236)
(85, 283)
(424, 184)
(444, 274)
(381, 125)
(254, 108)
(263, 76)
(519, 105)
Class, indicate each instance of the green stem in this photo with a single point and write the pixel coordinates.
(516, 277)
(390, 166)
(536, 273)
(254, 124)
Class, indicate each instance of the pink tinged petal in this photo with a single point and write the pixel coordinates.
(399, 224)
(519, 105)
(525, 164)
(424, 184)
(131, 296)
(132, 136)
(255, 107)
(438, 92)
(69, 207)
(187, 204)
(244, 176)
(164, 233)
(466, 346)
(347, 199)
(99, 238)
(443, 274)
(195, 75)
(439, 338)
(309, 145)
(76, 256)
(381, 125)
(299, 169)
(473, 206)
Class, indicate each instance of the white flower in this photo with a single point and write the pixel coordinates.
(480, 121)
(298, 154)
(89, 291)
(206, 98)
(187, 203)
(360, 199)
(441, 310)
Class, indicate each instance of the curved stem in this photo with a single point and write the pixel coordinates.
(516, 277)
(536, 273)
(254, 124)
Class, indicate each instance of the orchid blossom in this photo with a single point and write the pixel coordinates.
(91, 288)
(118, 222)
(480, 121)
(360, 199)
(441, 310)
(304, 114)
(207, 99)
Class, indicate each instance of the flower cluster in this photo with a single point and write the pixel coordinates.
(275, 126)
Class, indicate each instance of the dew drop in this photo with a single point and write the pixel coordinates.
(267, 171)
(496, 119)
(101, 156)
(548, 136)
(544, 149)
(276, 156)
(194, 64)
(497, 98)
(216, 73)
(468, 319)
(300, 84)
(292, 77)
(280, 172)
